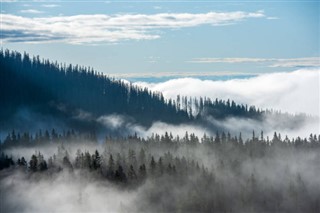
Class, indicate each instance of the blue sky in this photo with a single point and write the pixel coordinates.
(167, 38)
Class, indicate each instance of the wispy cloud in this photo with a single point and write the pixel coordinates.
(273, 62)
(297, 62)
(272, 18)
(179, 74)
(31, 11)
(50, 5)
(227, 60)
(97, 28)
(157, 7)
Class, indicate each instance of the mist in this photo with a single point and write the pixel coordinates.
(276, 91)
(63, 193)
(279, 91)
(218, 176)
(289, 126)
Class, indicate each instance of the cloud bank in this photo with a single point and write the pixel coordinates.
(293, 92)
(122, 125)
(99, 28)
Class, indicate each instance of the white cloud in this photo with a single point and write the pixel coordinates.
(274, 62)
(109, 28)
(79, 194)
(50, 5)
(292, 92)
(31, 11)
(227, 60)
(273, 18)
(268, 125)
(112, 121)
(297, 62)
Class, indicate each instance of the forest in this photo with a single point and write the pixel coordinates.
(75, 140)
(162, 173)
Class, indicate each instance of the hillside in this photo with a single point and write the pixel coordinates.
(59, 90)
(35, 90)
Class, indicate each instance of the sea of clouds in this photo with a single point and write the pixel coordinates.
(293, 92)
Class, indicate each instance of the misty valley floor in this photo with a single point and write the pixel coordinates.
(161, 174)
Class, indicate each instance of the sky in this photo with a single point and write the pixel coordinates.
(165, 39)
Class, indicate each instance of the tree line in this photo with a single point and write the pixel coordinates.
(47, 137)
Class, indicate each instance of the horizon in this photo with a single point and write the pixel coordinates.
(156, 38)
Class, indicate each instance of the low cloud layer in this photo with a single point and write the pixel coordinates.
(99, 28)
(270, 124)
(122, 125)
(293, 92)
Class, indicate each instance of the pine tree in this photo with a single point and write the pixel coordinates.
(120, 176)
(142, 172)
(152, 166)
(131, 173)
(33, 163)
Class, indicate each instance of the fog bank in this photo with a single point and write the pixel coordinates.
(293, 92)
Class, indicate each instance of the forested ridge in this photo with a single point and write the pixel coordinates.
(30, 81)
(62, 91)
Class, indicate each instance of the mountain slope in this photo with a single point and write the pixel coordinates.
(38, 93)
(60, 90)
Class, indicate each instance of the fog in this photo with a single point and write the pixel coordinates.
(62, 193)
(125, 125)
(229, 179)
(269, 125)
(235, 125)
(293, 92)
